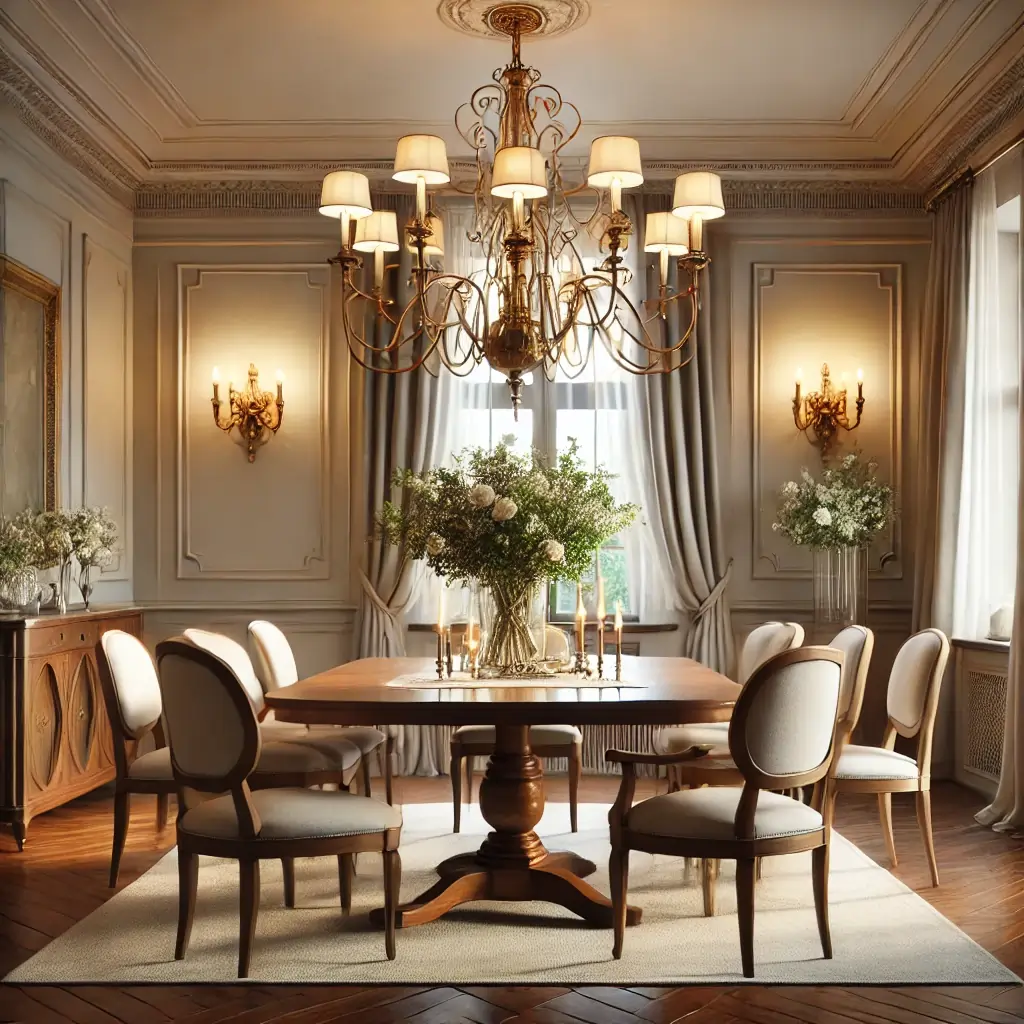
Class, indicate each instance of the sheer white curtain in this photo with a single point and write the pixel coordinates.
(985, 555)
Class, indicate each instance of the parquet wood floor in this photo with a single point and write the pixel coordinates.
(61, 877)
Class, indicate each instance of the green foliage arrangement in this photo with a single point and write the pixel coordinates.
(847, 507)
(505, 519)
(93, 536)
(20, 547)
(43, 540)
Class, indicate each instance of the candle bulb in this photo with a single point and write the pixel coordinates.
(421, 199)
(616, 195)
(860, 383)
(216, 384)
(696, 232)
(518, 211)
(440, 635)
(280, 385)
(581, 618)
(378, 269)
(663, 267)
(600, 626)
(346, 234)
(799, 381)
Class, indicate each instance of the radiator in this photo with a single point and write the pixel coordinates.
(981, 677)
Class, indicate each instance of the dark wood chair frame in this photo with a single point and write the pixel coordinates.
(126, 749)
(250, 850)
(461, 750)
(921, 785)
(744, 849)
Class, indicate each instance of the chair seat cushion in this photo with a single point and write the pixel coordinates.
(682, 737)
(875, 763)
(366, 738)
(329, 754)
(154, 766)
(540, 735)
(294, 814)
(271, 729)
(710, 814)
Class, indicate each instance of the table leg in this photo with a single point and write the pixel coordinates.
(512, 863)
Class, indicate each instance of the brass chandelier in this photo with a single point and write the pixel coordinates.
(532, 305)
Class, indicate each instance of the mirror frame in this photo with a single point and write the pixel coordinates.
(16, 277)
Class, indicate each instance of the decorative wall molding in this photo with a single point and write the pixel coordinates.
(769, 564)
(314, 561)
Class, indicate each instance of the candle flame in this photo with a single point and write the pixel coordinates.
(860, 375)
(216, 375)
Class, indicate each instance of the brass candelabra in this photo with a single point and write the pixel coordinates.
(254, 413)
(825, 412)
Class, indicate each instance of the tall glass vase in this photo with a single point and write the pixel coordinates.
(510, 617)
(63, 586)
(840, 586)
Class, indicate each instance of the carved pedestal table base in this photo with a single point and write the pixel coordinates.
(512, 863)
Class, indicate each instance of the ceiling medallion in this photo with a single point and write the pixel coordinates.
(494, 20)
(550, 283)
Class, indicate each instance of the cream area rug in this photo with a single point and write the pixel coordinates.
(882, 932)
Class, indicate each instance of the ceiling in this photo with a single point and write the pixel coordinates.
(175, 90)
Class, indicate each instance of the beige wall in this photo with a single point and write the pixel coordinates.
(62, 227)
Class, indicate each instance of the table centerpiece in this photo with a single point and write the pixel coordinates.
(508, 523)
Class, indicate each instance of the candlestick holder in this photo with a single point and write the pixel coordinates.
(618, 659)
(600, 649)
(581, 665)
(440, 653)
(448, 651)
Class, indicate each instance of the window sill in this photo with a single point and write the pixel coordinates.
(980, 644)
(627, 627)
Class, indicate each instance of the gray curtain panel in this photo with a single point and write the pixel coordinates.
(941, 419)
(682, 502)
(402, 427)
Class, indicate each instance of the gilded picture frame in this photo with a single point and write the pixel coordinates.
(18, 278)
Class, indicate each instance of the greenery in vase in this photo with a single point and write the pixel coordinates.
(503, 518)
(53, 530)
(93, 536)
(20, 547)
(848, 506)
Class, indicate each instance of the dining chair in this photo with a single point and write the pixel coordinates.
(472, 741)
(329, 740)
(274, 663)
(131, 693)
(762, 643)
(215, 742)
(781, 737)
(912, 700)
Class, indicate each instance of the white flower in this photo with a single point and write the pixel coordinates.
(553, 550)
(822, 516)
(481, 495)
(820, 493)
(790, 489)
(435, 544)
(504, 508)
(540, 482)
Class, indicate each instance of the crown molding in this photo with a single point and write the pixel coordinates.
(189, 188)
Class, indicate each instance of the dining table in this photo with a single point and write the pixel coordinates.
(512, 864)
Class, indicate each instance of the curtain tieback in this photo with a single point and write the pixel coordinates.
(715, 596)
(375, 597)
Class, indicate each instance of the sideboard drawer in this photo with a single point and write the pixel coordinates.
(62, 636)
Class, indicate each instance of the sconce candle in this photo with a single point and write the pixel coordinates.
(618, 641)
(824, 412)
(254, 413)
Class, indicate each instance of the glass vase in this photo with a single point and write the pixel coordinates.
(511, 619)
(63, 586)
(18, 588)
(840, 577)
(85, 584)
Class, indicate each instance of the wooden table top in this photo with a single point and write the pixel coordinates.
(654, 691)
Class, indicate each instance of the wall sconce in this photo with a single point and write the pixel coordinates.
(824, 411)
(256, 414)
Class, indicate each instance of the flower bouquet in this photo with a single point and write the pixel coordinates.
(508, 522)
(93, 538)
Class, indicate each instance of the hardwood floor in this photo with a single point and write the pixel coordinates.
(61, 877)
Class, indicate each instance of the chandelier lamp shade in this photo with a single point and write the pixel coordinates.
(533, 304)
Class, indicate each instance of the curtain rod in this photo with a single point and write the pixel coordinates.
(967, 176)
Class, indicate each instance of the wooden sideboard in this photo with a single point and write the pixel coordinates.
(55, 738)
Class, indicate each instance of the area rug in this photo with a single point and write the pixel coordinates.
(882, 932)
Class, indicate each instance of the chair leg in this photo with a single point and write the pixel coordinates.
(364, 769)
(122, 811)
(392, 889)
(288, 871)
(387, 753)
(161, 811)
(618, 873)
(924, 821)
(885, 813)
(707, 884)
(346, 869)
(470, 765)
(455, 770)
(249, 908)
(745, 912)
(188, 880)
(819, 877)
(575, 770)
(757, 870)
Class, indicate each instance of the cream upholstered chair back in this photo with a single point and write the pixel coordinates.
(914, 683)
(130, 683)
(236, 656)
(213, 732)
(557, 643)
(783, 727)
(272, 656)
(764, 642)
(856, 643)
